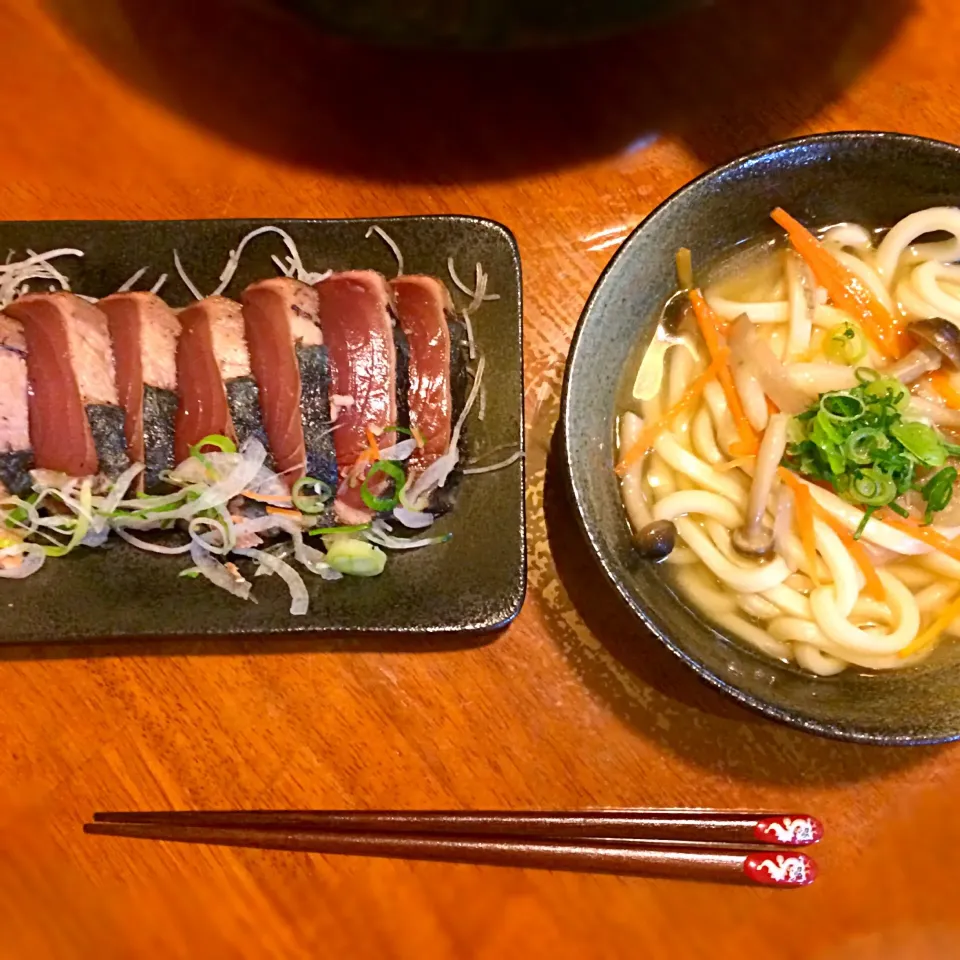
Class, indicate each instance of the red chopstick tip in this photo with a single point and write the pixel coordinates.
(789, 831)
(780, 870)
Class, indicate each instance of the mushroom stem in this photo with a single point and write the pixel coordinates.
(920, 360)
(938, 343)
(753, 538)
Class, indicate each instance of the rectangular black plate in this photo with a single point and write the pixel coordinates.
(475, 582)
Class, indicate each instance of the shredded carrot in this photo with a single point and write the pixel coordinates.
(418, 436)
(940, 381)
(873, 587)
(374, 447)
(710, 330)
(650, 430)
(923, 639)
(285, 512)
(927, 535)
(803, 500)
(847, 291)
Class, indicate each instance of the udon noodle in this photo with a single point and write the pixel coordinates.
(825, 552)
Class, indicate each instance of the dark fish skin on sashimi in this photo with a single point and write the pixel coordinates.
(106, 424)
(243, 399)
(159, 416)
(15, 467)
(403, 380)
(315, 413)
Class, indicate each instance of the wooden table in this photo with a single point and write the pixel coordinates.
(129, 108)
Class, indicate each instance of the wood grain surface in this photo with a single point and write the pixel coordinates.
(182, 108)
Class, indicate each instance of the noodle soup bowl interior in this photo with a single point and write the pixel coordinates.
(874, 179)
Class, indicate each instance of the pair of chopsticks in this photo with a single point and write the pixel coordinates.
(689, 844)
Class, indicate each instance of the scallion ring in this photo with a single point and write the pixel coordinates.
(841, 406)
(218, 440)
(381, 504)
(310, 503)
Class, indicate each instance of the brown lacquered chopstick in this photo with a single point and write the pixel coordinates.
(766, 868)
(677, 826)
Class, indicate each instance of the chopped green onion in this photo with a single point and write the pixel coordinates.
(872, 488)
(191, 573)
(403, 430)
(859, 443)
(842, 406)
(218, 440)
(357, 558)
(862, 445)
(888, 388)
(310, 504)
(938, 491)
(380, 504)
(332, 531)
(846, 344)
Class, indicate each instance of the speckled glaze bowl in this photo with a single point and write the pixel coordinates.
(872, 178)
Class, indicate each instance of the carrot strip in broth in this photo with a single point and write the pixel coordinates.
(926, 637)
(848, 292)
(803, 501)
(709, 330)
(874, 587)
(926, 535)
(940, 381)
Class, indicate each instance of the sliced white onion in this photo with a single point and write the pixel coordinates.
(379, 534)
(413, 519)
(150, 547)
(399, 451)
(299, 598)
(97, 535)
(252, 455)
(314, 560)
(218, 574)
(120, 487)
(203, 541)
(33, 559)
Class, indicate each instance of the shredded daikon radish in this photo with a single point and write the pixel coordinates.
(161, 280)
(295, 264)
(37, 266)
(471, 344)
(128, 283)
(187, 282)
(390, 242)
(513, 458)
(481, 276)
